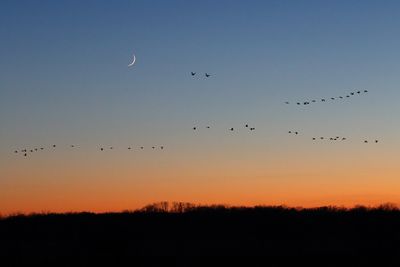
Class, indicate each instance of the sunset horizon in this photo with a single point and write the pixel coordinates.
(106, 107)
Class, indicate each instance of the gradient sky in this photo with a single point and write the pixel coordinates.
(64, 80)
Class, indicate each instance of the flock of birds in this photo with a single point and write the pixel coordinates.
(230, 129)
(25, 152)
(336, 138)
(308, 102)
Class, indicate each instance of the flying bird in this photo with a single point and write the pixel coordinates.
(194, 128)
(133, 61)
(193, 73)
(207, 75)
(286, 102)
(231, 129)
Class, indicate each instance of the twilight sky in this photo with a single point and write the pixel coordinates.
(64, 80)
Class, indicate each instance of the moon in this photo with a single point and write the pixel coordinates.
(133, 62)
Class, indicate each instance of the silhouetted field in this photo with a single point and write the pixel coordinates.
(186, 235)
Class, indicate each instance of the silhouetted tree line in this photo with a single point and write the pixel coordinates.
(184, 234)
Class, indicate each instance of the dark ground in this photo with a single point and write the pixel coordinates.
(204, 236)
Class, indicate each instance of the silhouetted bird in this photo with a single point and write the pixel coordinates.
(194, 128)
(298, 103)
(129, 148)
(41, 148)
(246, 125)
(323, 100)
(101, 149)
(15, 151)
(376, 141)
(207, 75)
(111, 147)
(332, 98)
(290, 132)
(365, 91)
(341, 97)
(296, 132)
(31, 150)
(252, 129)
(358, 92)
(344, 138)
(162, 147)
(313, 101)
(321, 138)
(54, 145)
(208, 127)
(193, 73)
(313, 138)
(141, 147)
(365, 141)
(72, 146)
(347, 96)
(286, 102)
(25, 155)
(352, 93)
(153, 147)
(231, 129)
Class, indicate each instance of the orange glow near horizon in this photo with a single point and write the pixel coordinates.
(114, 183)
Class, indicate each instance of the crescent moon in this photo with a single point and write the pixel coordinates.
(133, 62)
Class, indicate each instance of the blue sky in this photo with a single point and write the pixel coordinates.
(64, 76)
